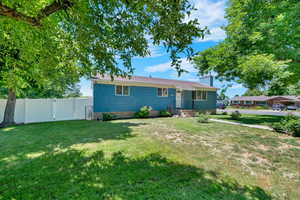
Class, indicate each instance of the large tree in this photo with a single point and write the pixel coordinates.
(253, 92)
(262, 47)
(44, 37)
(43, 76)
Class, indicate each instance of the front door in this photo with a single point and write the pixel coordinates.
(193, 99)
(178, 99)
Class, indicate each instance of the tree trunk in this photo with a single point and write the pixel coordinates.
(9, 113)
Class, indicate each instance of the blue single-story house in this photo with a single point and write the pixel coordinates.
(125, 96)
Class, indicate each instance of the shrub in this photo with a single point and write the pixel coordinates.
(108, 116)
(293, 127)
(202, 118)
(236, 115)
(224, 113)
(279, 127)
(289, 117)
(144, 112)
(290, 124)
(165, 113)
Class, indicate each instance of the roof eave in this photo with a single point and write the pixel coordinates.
(135, 83)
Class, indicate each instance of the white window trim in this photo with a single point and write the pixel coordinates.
(201, 98)
(120, 95)
(162, 92)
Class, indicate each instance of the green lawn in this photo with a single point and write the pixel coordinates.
(249, 108)
(266, 120)
(147, 159)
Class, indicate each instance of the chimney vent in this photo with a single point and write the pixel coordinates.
(208, 80)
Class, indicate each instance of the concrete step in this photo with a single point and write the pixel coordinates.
(187, 113)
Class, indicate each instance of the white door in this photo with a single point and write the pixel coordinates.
(178, 99)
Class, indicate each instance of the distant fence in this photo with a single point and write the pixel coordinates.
(44, 110)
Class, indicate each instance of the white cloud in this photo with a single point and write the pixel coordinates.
(216, 34)
(155, 51)
(185, 64)
(185, 76)
(210, 14)
(158, 68)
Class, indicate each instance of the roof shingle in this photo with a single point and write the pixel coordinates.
(158, 81)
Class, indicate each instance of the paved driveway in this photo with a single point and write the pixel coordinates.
(263, 112)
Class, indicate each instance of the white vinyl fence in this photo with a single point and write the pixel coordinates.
(44, 110)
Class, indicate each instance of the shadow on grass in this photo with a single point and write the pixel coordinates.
(257, 119)
(74, 175)
(19, 141)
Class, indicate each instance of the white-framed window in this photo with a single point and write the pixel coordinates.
(121, 90)
(200, 95)
(162, 92)
(235, 102)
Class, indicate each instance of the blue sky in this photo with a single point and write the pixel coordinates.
(210, 13)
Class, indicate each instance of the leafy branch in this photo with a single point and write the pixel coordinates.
(35, 21)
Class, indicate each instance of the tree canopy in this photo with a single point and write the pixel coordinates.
(54, 42)
(262, 47)
(104, 33)
(253, 92)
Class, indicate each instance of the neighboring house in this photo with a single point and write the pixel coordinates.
(123, 96)
(265, 101)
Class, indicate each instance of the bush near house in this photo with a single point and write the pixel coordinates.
(289, 125)
(202, 117)
(224, 113)
(144, 112)
(165, 113)
(108, 117)
(236, 115)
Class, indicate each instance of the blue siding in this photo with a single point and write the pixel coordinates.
(187, 100)
(106, 101)
(209, 104)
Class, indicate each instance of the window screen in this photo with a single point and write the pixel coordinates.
(200, 95)
(122, 90)
(162, 92)
(125, 91)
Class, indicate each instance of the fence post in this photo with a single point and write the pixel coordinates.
(54, 109)
(74, 107)
(25, 110)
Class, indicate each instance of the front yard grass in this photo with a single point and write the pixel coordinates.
(266, 120)
(165, 158)
(249, 108)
